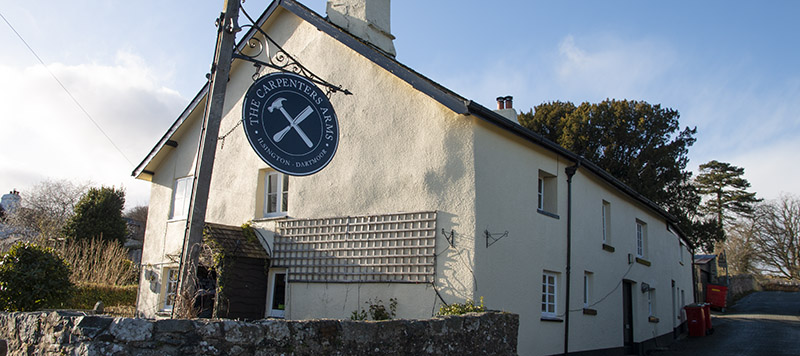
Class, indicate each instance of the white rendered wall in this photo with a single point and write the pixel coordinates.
(509, 272)
(399, 151)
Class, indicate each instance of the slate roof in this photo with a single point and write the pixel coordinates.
(232, 241)
(703, 259)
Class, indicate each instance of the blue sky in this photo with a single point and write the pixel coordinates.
(731, 69)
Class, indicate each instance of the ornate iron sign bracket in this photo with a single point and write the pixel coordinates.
(281, 60)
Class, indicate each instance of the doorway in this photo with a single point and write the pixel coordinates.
(627, 316)
(277, 295)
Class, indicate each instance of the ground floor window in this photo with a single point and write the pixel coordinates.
(170, 288)
(549, 285)
(277, 294)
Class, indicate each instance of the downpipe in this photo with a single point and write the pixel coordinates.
(570, 171)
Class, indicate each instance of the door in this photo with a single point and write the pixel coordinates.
(277, 295)
(674, 311)
(627, 316)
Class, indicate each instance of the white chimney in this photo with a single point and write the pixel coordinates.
(366, 19)
(10, 202)
(505, 107)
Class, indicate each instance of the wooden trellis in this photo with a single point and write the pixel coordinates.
(371, 248)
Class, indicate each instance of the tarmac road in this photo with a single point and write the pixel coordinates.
(762, 323)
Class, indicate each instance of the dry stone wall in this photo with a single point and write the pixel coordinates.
(58, 333)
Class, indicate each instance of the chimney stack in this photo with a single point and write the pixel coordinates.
(368, 20)
(501, 103)
(508, 101)
(505, 107)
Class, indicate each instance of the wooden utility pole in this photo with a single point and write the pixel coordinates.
(193, 238)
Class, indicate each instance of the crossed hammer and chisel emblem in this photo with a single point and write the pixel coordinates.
(294, 123)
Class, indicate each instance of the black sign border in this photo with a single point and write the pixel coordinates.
(252, 137)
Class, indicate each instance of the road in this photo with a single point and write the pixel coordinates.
(762, 323)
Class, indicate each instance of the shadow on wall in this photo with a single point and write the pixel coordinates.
(455, 277)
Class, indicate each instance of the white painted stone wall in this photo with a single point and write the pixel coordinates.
(509, 273)
(399, 151)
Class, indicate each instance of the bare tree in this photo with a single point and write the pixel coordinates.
(740, 248)
(139, 216)
(777, 236)
(46, 208)
(138, 213)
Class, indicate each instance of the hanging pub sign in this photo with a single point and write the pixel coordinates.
(290, 123)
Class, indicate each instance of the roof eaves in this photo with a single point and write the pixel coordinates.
(175, 125)
(140, 169)
(445, 96)
(517, 129)
(425, 85)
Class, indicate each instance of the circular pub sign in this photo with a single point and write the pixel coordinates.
(290, 123)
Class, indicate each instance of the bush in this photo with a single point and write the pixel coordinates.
(458, 309)
(97, 261)
(32, 278)
(377, 311)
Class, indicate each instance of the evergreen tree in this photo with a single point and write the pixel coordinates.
(638, 143)
(98, 214)
(726, 190)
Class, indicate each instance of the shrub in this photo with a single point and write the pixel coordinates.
(33, 277)
(97, 261)
(377, 311)
(463, 308)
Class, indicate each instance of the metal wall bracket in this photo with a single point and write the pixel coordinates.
(280, 60)
(451, 239)
(491, 238)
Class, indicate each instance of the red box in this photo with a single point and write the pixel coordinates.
(696, 318)
(716, 295)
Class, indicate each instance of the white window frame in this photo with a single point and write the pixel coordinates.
(540, 193)
(549, 295)
(606, 216)
(181, 198)
(277, 312)
(281, 195)
(169, 282)
(651, 310)
(587, 288)
(641, 239)
(546, 193)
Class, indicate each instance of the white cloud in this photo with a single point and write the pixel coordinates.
(771, 169)
(610, 67)
(45, 135)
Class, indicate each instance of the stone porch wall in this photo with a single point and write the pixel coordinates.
(59, 333)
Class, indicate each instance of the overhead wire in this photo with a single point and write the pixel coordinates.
(86, 113)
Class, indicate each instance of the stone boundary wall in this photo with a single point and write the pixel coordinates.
(70, 333)
(742, 284)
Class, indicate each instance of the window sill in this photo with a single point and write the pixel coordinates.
(652, 319)
(608, 248)
(588, 311)
(171, 220)
(272, 217)
(164, 313)
(552, 319)
(546, 213)
(643, 261)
